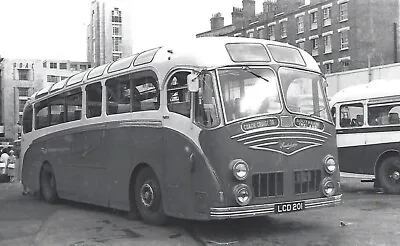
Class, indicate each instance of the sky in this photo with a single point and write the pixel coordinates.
(56, 29)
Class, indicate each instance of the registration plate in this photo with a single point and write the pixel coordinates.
(289, 207)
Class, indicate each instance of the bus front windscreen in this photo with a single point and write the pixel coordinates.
(249, 92)
(303, 92)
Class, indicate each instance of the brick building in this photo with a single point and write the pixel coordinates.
(20, 78)
(340, 34)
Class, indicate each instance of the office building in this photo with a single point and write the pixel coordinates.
(109, 34)
(19, 79)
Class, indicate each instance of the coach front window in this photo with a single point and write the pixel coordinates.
(248, 92)
(352, 115)
(303, 93)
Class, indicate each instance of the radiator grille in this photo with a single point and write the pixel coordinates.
(306, 181)
(268, 184)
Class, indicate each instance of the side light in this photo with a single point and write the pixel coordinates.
(328, 187)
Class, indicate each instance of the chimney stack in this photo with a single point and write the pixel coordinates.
(217, 21)
(237, 16)
(249, 9)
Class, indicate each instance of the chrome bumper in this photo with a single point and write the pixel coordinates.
(263, 209)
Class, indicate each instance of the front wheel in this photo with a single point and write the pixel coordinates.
(389, 175)
(48, 188)
(148, 197)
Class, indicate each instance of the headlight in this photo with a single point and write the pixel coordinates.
(330, 164)
(242, 194)
(328, 187)
(240, 169)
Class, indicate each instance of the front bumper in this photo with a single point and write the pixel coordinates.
(263, 209)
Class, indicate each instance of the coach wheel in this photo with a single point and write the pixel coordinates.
(389, 174)
(48, 184)
(148, 197)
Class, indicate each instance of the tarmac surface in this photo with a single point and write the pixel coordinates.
(366, 217)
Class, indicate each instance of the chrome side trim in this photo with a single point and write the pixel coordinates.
(263, 209)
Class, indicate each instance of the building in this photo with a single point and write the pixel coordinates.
(20, 78)
(340, 34)
(109, 32)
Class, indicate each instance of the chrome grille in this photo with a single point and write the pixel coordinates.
(306, 181)
(268, 184)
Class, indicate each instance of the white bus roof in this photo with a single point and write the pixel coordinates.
(374, 89)
(207, 52)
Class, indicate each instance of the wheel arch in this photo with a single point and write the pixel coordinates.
(381, 158)
(132, 179)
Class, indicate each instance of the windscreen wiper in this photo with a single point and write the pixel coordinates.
(247, 69)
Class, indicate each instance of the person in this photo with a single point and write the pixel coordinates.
(12, 161)
(4, 165)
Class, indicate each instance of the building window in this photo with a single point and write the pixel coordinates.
(82, 67)
(300, 24)
(271, 32)
(345, 64)
(53, 65)
(23, 91)
(63, 77)
(44, 64)
(328, 43)
(301, 45)
(52, 78)
(116, 15)
(251, 34)
(74, 67)
(314, 20)
(283, 26)
(261, 33)
(327, 16)
(116, 56)
(21, 105)
(23, 74)
(117, 30)
(63, 65)
(314, 46)
(343, 14)
(117, 43)
(328, 68)
(344, 40)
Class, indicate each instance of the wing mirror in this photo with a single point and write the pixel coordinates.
(193, 82)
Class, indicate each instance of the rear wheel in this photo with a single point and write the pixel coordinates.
(148, 197)
(389, 175)
(48, 188)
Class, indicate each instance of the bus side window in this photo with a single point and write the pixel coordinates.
(27, 119)
(119, 95)
(178, 95)
(352, 115)
(41, 114)
(145, 94)
(333, 112)
(73, 103)
(93, 100)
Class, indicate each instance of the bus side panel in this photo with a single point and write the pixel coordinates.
(191, 184)
(130, 146)
(32, 162)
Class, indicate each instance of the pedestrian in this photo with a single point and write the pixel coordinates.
(4, 159)
(11, 166)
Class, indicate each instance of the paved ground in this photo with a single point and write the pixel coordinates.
(366, 217)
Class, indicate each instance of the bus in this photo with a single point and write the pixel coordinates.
(213, 128)
(368, 132)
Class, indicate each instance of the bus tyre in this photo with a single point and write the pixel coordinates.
(48, 189)
(389, 175)
(148, 197)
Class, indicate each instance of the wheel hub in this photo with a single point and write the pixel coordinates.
(395, 175)
(147, 195)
